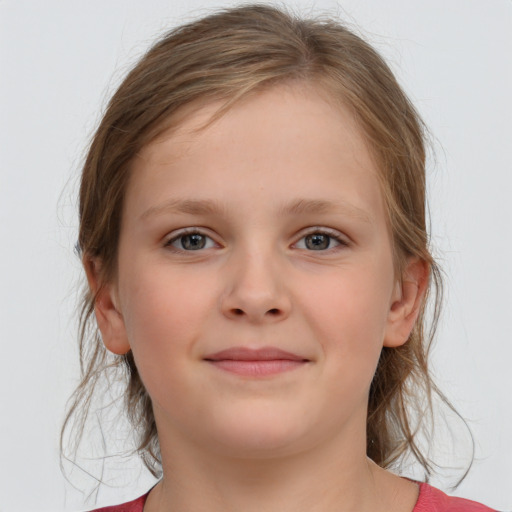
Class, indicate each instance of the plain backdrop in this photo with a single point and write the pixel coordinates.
(60, 61)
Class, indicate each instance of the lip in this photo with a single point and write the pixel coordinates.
(255, 362)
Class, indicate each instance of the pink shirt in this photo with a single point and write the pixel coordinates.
(430, 499)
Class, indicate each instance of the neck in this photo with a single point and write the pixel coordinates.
(320, 480)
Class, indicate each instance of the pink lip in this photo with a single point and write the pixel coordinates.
(255, 363)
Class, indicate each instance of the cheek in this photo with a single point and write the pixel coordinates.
(162, 299)
(164, 316)
(349, 313)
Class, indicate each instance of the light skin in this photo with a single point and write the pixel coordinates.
(265, 229)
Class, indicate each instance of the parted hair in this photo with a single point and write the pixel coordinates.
(227, 56)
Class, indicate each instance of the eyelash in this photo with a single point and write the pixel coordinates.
(184, 233)
(331, 234)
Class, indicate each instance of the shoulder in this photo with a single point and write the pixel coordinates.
(433, 500)
(132, 506)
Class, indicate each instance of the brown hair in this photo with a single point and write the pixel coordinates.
(226, 56)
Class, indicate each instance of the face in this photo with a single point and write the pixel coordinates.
(255, 284)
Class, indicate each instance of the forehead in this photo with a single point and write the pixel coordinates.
(282, 105)
(289, 139)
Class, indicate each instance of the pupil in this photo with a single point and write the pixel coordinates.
(317, 242)
(193, 242)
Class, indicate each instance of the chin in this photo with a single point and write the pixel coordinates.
(258, 434)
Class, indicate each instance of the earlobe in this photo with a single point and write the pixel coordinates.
(110, 321)
(407, 302)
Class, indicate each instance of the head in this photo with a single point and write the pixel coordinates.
(222, 60)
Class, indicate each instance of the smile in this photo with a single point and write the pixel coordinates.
(255, 363)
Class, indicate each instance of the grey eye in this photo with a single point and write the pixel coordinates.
(192, 242)
(317, 241)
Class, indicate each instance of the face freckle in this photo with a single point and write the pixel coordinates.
(249, 337)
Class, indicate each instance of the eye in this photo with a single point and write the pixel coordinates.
(319, 241)
(193, 241)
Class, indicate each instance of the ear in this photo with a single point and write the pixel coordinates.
(109, 319)
(406, 302)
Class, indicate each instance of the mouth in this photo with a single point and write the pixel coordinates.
(256, 363)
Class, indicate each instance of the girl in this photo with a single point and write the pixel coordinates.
(252, 227)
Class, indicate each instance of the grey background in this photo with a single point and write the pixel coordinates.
(59, 62)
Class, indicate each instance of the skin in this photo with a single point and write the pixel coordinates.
(252, 183)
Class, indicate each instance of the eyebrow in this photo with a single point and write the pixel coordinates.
(297, 207)
(318, 206)
(186, 206)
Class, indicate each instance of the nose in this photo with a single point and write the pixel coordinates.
(255, 290)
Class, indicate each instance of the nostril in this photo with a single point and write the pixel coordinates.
(269, 313)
